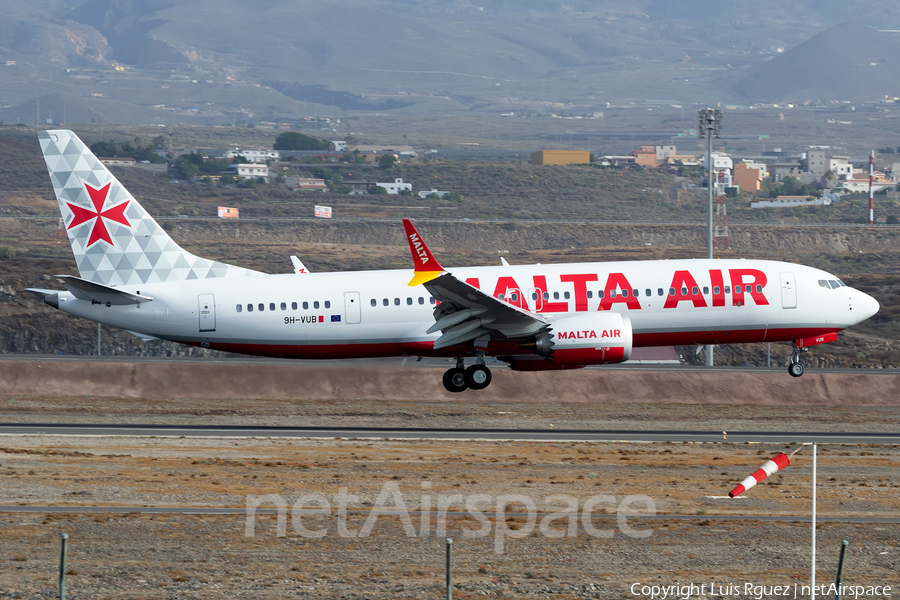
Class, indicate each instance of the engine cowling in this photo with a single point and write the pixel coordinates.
(587, 339)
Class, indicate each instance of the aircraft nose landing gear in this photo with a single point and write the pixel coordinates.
(795, 369)
(459, 378)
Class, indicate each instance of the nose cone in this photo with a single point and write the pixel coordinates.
(867, 306)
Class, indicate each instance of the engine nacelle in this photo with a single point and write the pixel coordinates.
(587, 339)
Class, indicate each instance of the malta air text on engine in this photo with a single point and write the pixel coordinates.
(744, 285)
(589, 334)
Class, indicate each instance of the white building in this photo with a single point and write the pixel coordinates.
(247, 171)
(254, 156)
(396, 187)
(307, 184)
(339, 145)
(438, 193)
(840, 166)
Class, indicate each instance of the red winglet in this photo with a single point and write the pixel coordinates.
(426, 265)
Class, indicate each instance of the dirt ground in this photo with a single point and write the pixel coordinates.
(529, 520)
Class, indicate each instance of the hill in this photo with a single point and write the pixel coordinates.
(847, 62)
(197, 62)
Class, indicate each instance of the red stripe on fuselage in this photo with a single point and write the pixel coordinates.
(425, 347)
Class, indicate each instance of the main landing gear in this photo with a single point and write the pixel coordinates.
(460, 378)
(795, 369)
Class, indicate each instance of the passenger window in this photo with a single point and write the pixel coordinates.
(421, 300)
(600, 293)
(409, 301)
(612, 293)
(635, 292)
(727, 289)
(694, 291)
(249, 308)
(590, 294)
(374, 302)
(671, 291)
(239, 308)
(737, 289)
(514, 297)
(649, 292)
(534, 295)
(284, 306)
(659, 292)
(293, 306)
(328, 304)
(624, 293)
(546, 295)
(716, 289)
(684, 291)
(315, 304)
(386, 302)
(396, 301)
(705, 290)
(433, 300)
(500, 297)
(306, 306)
(556, 295)
(758, 287)
(566, 295)
(261, 307)
(747, 288)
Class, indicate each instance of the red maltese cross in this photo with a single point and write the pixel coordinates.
(83, 215)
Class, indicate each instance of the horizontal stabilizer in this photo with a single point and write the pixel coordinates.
(98, 293)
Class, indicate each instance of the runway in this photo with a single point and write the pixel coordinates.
(427, 433)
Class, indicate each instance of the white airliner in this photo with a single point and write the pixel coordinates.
(533, 317)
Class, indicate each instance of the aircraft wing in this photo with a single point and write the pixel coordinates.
(465, 312)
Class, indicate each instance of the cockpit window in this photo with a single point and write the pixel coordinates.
(824, 284)
(841, 283)
(834, 284)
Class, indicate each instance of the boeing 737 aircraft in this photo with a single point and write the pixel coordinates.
(532, 317)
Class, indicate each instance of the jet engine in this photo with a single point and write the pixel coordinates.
(587, 339)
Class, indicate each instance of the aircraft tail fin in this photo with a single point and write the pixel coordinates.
(115, 241)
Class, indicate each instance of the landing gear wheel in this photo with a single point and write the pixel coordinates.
(455, 380)
(478, 377)
(795, 369)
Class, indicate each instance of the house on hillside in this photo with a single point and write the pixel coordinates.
(254, 156)
(748, 175)
(249, 171)
(396, 187)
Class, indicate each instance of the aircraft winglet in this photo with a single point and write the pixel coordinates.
(426, 265)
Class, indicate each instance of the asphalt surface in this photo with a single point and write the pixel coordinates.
(432, 363)
(411, 433)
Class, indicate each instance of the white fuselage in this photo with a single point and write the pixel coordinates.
(376, 313)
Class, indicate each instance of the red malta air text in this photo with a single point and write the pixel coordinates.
(589, 334)
(745, 285)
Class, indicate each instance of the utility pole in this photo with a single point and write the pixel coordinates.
(710, 123)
